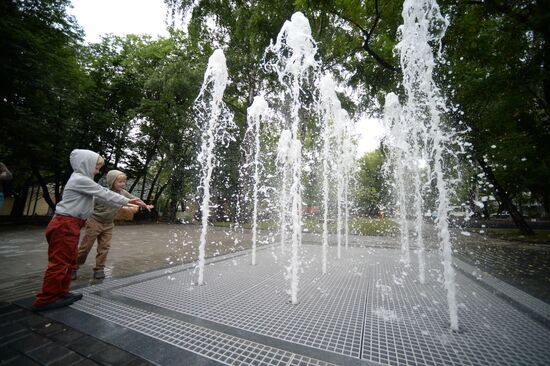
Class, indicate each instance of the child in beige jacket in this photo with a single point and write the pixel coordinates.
(100, 226)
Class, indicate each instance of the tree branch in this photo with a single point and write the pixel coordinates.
(368, 34)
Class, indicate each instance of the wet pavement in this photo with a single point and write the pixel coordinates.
(143, 248)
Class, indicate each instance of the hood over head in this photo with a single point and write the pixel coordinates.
(84, 162)
(112, 175)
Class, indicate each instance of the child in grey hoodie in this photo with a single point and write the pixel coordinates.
(100, 226)
(63, 230)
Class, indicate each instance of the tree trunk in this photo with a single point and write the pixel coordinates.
(159, 192)
(57, 190)
(20, 199)
(519, 221)
(154, 182)
(45, 192)
(134, 184)
(143, 183)
(545, 205)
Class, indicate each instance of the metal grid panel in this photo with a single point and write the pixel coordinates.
(112, 283)
(209, 343)
(536, 305)
(110, 310)
(178, 291)
(368, 293)
(253, 298)
(408, 323)
(368, 306)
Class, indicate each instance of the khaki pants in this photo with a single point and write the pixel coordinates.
(103, 233)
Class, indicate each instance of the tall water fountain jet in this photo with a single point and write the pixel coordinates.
(294, 62)
(283, 166)
(215, 121)
(256, 114)
(326, 114)
(426, 137)
(398, 142)
(338, 153)
(345, 165)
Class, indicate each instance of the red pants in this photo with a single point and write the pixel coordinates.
(62, 234)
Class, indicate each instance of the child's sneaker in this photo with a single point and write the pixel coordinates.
(98, 275)
(66, 300)
(75, 296)
(74, 274)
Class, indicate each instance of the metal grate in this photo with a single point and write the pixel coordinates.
(209, 343)
(408, 322)
(369, 307)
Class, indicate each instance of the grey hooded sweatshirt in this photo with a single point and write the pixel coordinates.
(104, 213)
(81, 190)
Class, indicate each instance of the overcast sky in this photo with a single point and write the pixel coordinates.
(119, 17)
(99, 17)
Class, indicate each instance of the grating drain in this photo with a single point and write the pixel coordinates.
(369, 307)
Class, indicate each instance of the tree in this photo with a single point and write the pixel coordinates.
(40, 87)
(370, 192)
(499, 62)
(147, 88)
(500, 73)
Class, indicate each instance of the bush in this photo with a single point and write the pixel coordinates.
(358, 226)
(375, 227)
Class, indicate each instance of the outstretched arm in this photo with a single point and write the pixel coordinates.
(140, 203)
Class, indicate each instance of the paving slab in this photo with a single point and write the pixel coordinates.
(369, 309)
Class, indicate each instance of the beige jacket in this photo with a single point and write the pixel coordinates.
(106, 214)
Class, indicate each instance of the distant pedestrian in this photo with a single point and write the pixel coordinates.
(100, 226)
(5, 176)
(63, 230)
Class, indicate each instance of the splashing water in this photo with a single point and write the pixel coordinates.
(256, 112)
(294, 62)
(418, 132)
(337, 151)
(327, 88)
(398, 154)
(283, 165)
(345, 164)
(216, 122)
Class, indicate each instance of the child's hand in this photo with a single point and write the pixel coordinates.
(140, 203)
(132, 208)
(150, 207)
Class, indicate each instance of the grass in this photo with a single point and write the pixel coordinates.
(540, 237)
(358, 226)
(375, 227)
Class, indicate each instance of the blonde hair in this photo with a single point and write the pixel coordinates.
(100, 161)
(121, 176)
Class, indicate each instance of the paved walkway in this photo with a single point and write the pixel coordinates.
(27, 338)
(31, 338)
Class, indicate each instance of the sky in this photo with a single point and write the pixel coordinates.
(120, 17)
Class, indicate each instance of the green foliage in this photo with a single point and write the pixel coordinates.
(130, 98)
(350, 33)
(149, 88)
(370, 197)
(41, 87)
(375, 227)
(358, 226)
(541, 236)
(499, 54)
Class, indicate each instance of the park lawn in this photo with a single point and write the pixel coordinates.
(358, 226)
(540, 237)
